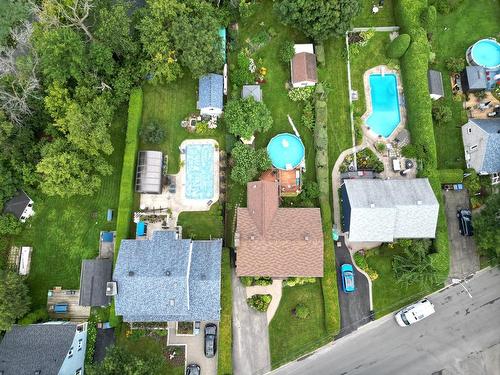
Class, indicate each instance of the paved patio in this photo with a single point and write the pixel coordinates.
(177, 201)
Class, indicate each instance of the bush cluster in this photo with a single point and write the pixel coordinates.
(38, 316)
(361, 262)
(308, 116)
(252, 281)
(287, 51)
(153, 132)
(441, 113)
(259, 302)
(320, 54)
(301, 94)
(293, 281)
(397, 48)
(301, 311)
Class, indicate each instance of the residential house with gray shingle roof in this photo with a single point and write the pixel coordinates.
(55, 348)
(211, 94)
(481, 139)
(167, 278)
(387, 210)
(20, 205)
(473, 79)
(277, 242)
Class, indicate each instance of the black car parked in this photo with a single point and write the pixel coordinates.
(193, 369)
(210, 340)
(465, 222)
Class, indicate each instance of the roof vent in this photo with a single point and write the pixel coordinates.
(171, 302)
(419, 203)
(252, 237)
(167, 273)
(372, 205)
(306, 237)
(111, 288)
(203, 276)
(131, 273)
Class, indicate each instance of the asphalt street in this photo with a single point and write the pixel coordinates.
(355, 306)
(462, 337)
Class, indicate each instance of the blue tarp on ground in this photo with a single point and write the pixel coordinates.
(141, 228)
(107, 236)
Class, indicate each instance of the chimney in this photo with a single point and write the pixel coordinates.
(372, 205)
(111, 289)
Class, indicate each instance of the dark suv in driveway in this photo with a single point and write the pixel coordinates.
(465, 222)
(210, 340)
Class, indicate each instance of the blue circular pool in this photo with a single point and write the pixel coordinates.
(486, 52)
(286, 151)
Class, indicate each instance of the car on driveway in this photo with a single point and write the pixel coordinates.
(210, 340)
(465, 222)
(193, 369)
(347, 278)
(415, 313)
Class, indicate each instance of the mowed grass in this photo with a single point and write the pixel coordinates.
(202, 225)
(388, 295)
(366, 18)
(290, 337)
(65, 231)
(455, 32)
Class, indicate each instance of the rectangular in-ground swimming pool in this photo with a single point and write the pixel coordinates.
(385, 115)
(199, 171)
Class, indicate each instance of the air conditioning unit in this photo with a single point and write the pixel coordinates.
(111, 288)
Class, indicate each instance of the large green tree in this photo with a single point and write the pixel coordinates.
(414, 265)
(248, 162)
(318, 19)
(11, 13)
(14, 299)
(487, 227)
(246, 116)
(9, 224)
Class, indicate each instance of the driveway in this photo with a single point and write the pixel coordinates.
(355, 306)
(250, 335)
(194, 345)
(464, 259)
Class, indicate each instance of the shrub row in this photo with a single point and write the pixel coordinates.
(251, 281)
(260, 302)
(329, 280)
(126, 199)
(450, 176)
(414, 66)
(225, 366)
(292, 281)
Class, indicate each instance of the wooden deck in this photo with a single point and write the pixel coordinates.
(75, 313)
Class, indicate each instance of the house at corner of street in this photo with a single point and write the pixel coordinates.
(56, 348)
(387, 210)
(303, 66)
(167, 279)
(20, 205)
(210, 94)
(277, 242)
(482, 147)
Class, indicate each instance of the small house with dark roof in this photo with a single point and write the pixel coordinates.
(435, 79)
(167, 278)
(473, 79)
(20, 205)
(211, 94)
(303, 66)
(94, 276)
(56, 348)
(272, 241)
(481, 139)
(148, 179)
(252, 90)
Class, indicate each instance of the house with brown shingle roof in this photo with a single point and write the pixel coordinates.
(303, 66)
(277, 242)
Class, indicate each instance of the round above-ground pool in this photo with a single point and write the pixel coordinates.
(486, 53)
(286, 151)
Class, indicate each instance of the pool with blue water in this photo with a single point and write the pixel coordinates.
(199, 164)
(385, 115)
(486, 52)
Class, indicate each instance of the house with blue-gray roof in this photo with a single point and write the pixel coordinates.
(167, 278)
(211, 94)
(481, 139)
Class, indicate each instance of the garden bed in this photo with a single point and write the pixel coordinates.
(185, 328)
(366, 161)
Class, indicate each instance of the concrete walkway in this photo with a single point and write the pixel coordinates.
(275, 290)
(251, 354)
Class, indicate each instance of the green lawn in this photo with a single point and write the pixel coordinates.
(388, 295)
(371, 55)
(289, 337)
(202, 225)
(385, 16)
(473, 20)
(65, 231)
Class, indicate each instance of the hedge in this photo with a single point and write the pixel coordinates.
(126, 199)
(320, 54)
(225, 355)
(329, 280)
(450, 176)
(397, 48)
(414, 66)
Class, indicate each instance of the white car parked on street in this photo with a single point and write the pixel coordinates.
(415, 313)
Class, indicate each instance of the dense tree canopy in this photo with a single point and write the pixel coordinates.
(414, 265)
(487, 227)
(320, 19)
(246, 116)
(14, 299)
(248, 162)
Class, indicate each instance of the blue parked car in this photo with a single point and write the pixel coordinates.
(347, 278)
